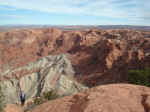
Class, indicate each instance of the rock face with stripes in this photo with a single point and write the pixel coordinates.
(51, 72)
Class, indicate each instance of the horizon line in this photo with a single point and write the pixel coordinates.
(70, 25)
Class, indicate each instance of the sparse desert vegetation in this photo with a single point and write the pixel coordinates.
(139, 76)
(46, 96)
(1, 99)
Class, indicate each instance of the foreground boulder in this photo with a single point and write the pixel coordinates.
(51, 72)
(108, 98)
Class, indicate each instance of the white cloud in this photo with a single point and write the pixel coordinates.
(11, 16)
(121, 9)
(7, 8)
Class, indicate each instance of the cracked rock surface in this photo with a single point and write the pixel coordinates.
(107, 98)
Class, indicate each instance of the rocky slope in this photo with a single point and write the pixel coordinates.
(108, 98)
(48, 73)
(39, 60)
(97, 56)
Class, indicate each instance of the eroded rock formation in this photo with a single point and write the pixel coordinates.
(48, 73)
(97, 56)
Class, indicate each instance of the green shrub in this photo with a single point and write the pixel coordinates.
(137, 41)
(139, 77)
(1, 100)
(94, 60)
(50, 95)
(38, 101)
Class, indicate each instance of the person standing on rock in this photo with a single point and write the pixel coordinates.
(22, 98)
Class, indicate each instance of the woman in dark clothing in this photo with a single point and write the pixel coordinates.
(22, 98)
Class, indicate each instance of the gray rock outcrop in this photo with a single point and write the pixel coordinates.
(51, 72)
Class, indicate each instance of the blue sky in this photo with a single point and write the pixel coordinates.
(75, 12)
